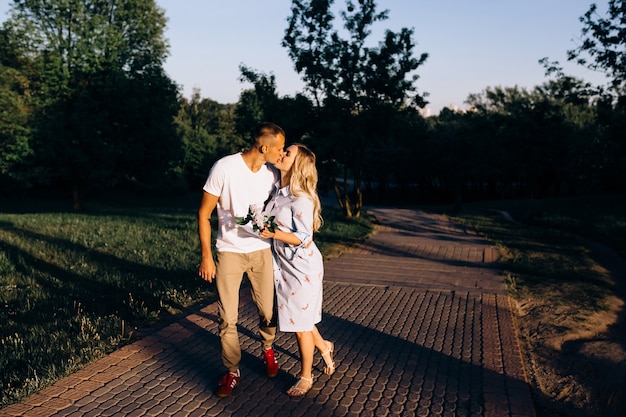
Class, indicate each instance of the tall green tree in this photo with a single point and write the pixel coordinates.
(603, 46)
(207, 129)
(105, 107)
(350, 81)
(258, 104)
(16, 109)
(262, 103)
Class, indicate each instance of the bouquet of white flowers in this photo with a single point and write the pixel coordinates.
(259, 220)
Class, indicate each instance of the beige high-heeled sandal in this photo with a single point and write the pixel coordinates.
(297, 390)
(329, 369)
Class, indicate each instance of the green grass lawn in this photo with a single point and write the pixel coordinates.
(75, 286)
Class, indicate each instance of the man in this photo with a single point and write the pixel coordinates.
(236, 182)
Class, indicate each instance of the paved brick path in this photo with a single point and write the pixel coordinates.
(422, 327)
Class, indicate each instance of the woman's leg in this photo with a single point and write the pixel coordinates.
(306, 344)
(327, 349)
(319, 341)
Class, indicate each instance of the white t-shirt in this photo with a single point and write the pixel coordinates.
(237, 188)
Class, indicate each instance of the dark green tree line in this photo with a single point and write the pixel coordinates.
(86, 106)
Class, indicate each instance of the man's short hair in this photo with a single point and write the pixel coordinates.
(267, 129)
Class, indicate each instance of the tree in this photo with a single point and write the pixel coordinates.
(350, 81)
(15, 135)
(258, 104)
(207, 129)
(604, 49)
(104, 106)
(603, 45)
(402, 150)
(547, 141)
(262, 103)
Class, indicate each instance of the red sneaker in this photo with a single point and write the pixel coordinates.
(227, 384)
(271, 364)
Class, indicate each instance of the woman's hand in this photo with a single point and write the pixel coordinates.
(266, 234)
(277, 234)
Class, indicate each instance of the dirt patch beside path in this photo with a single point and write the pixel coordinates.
(577, 367)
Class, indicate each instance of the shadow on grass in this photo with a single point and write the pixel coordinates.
(97, 294)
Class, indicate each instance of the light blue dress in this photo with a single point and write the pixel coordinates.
(298, 270)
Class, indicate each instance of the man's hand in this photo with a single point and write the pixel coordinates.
(206, 270)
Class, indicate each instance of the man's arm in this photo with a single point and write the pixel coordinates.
(206, 270)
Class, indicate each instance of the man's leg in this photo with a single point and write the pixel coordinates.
(261, 276)
(229, 274)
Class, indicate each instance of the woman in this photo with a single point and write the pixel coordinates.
(298, 263)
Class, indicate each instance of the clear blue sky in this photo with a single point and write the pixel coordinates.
(472, 45)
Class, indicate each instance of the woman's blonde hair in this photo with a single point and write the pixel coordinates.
(303, 181)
